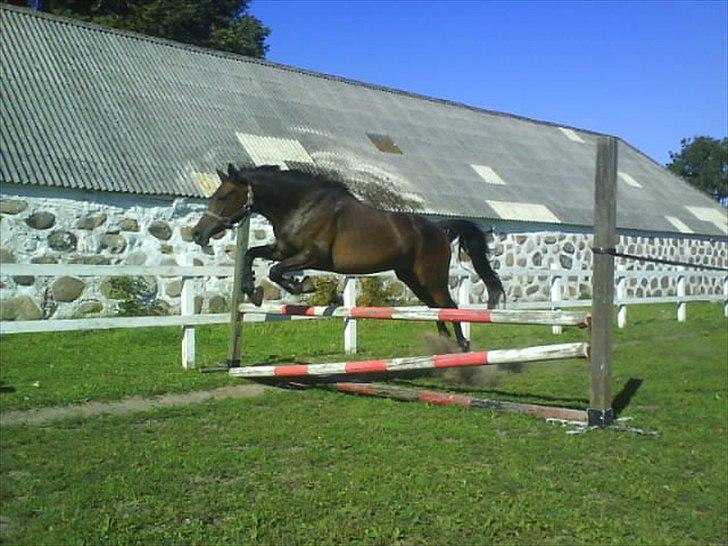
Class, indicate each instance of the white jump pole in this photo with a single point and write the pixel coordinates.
(621, 292)
(349, 322)
(464, 300)
(555, 295)
(187, 308)
(681, 304)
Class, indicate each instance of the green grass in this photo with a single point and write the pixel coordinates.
(323, 468)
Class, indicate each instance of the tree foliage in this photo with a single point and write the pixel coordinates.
(703, 162)
(218, 24)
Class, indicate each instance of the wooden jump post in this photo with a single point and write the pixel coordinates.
(236, 319)
(600, 412)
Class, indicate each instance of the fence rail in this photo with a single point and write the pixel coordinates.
(188, 319)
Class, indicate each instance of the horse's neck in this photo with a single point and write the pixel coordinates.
(275, 199)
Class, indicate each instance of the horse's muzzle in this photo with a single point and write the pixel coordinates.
(200, 238)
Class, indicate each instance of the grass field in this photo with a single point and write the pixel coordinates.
(317, 467)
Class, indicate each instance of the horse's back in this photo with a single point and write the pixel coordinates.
(370, 240)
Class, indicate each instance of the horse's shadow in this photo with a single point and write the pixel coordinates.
(620, 402)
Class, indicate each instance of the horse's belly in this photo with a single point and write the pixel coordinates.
(369, 254)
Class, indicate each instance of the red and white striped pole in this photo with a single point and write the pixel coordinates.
(455, 360)
(502, 316)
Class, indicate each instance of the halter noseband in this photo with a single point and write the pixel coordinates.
(230, 221)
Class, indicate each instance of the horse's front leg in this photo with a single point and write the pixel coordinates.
(247, 284)
(302, 260)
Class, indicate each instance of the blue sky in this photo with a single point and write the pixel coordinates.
(649, 72)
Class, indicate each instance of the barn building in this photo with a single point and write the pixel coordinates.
(110, 142)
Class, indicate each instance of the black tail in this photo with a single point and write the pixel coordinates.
(472, 240)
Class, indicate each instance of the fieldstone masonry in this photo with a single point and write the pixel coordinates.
(47, 226)
(572, 251)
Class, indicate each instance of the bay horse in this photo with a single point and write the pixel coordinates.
(319, 224)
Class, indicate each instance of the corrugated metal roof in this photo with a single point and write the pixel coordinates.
(100, 109)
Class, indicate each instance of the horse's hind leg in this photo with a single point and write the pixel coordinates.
(441, 296)
(411, 280)
(434, 283)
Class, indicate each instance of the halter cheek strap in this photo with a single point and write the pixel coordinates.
(230, 221)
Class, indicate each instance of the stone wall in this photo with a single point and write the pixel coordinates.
(572, 251)
(45, 225)
(48, 226)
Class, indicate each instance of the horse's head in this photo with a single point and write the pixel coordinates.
(230, 203)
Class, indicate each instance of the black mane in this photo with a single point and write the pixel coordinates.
(317, 178)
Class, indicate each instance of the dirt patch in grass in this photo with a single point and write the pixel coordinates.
(42, 416)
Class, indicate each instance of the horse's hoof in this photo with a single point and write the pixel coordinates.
(307, 285)
(256, 297)
(465, 347)
(247, 284)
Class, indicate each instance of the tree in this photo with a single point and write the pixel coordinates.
(703, 162)
(218, 24)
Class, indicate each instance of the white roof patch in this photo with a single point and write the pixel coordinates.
(207, 182)
(264, 150)
(679, 224)
(529, 212)
(488, 174)
(572, 135)
(713, 215)
(628, 179)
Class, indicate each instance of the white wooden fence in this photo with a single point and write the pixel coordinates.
(187, 319)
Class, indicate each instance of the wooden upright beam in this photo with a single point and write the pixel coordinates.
(600, 412)
(236, 319)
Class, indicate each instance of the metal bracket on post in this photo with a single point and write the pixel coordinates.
(599, 418)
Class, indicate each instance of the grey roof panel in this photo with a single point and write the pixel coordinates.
(94, 108)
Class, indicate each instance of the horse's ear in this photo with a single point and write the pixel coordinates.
(231, 170)
(221, 175)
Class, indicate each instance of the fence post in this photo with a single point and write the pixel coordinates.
(621, 307)
(187, 308)
(463, 300)
(600, 412)
(350, 324)
(681, 305)
(725, 296)
(236, 298)
(555, 295)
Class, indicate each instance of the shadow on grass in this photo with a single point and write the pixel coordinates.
(405, 381)
(623, 398)
(619, 403)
